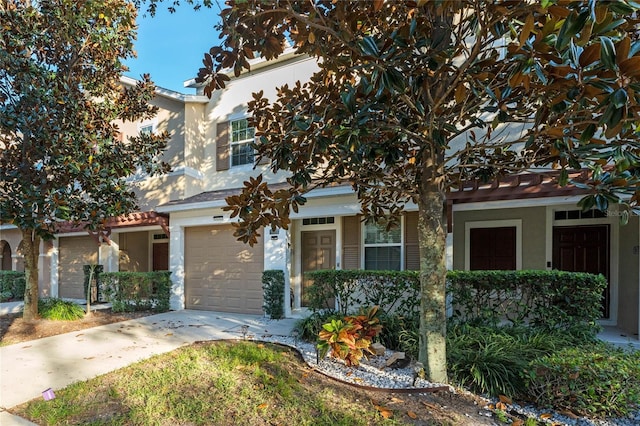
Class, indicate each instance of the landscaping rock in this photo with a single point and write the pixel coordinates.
(378, 349)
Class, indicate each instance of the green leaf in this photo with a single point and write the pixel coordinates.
(369, 47)
(608, 53)
(620, 98)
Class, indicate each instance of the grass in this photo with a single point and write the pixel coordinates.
(222, 383)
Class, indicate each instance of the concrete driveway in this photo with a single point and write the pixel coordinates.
(27, 369)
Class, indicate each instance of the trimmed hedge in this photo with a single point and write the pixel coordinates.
(596, 380)
(273, 287)
(137, 291)
(12, 285)
(551, 300)
(548, 299)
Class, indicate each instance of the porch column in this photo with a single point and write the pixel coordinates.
(53, 259)
(176, 266)
(276, 257)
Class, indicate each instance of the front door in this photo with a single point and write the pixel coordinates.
(583, 249)
(160, 256)
(318, 252)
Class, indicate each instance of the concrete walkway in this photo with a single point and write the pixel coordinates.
(27, 369)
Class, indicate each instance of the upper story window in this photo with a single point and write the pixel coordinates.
(242, 138)
(146, 129)
(382, 248)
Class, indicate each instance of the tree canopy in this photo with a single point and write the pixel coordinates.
(413, 98)
(62, 157)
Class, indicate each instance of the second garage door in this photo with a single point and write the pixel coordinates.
(75, 252)
(221, 273)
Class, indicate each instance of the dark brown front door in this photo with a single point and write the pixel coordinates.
(583, 249)
(318, 252)
(492, 248)
(161, 256)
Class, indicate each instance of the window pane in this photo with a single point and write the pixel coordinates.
(376, 234)
(382, 258)
(241, 153)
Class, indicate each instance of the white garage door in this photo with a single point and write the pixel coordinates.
(74, 253)
(221, 273)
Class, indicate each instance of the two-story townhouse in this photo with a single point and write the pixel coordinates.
(521, 222)
(137, 242)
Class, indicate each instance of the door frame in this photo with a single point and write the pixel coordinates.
(296, 273)
(614, 247)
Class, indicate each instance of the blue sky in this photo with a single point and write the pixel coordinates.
(170, 47)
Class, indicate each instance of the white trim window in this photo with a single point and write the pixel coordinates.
(242, 139)
(382, 248)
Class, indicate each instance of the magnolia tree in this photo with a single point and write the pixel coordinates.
(413, 98)
(61, 156)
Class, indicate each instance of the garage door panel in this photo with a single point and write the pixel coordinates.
(75, 252)
(222, 274)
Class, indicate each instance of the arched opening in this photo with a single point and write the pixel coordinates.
(5, 251)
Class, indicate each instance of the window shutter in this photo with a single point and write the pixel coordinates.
(222, 146)
(351, 242)
(411, 243)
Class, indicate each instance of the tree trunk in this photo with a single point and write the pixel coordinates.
(433, 272)
(31, 252)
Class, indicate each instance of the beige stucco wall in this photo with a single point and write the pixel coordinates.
(629, 279)
(533, 233)
(134, 251)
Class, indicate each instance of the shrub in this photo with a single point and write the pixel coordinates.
(137, 291)
(12, 285)
(308, 328)
(597, 380)
(492, 360)
(551, 300)
(59, 310)
(273, 287)
(350, 338)
(397, 332)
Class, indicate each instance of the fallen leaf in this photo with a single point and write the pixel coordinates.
(263, 406)
(396, 400)
(384, 412)
(545, 416)
(348, 373)
(517, 422)
(25, 347)
(501, 406)
(260, 345)
(305, 374)
(412, 414)
(89, 357)
(491, 407)
(169, 334)
(505, 399)
(81, 334)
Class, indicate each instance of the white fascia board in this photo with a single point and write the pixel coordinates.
(511, 204)
(7, 227)
(128, 81)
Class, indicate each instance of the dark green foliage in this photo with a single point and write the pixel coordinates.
(492, 360)
(396, 332)
(392, 291)
(12, 284)
(550, 300)
(59, 310)
(97, 270)
(137, 291)
(273, 287)
(598, 380)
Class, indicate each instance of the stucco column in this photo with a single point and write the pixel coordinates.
(176, 266)
(276, 257)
